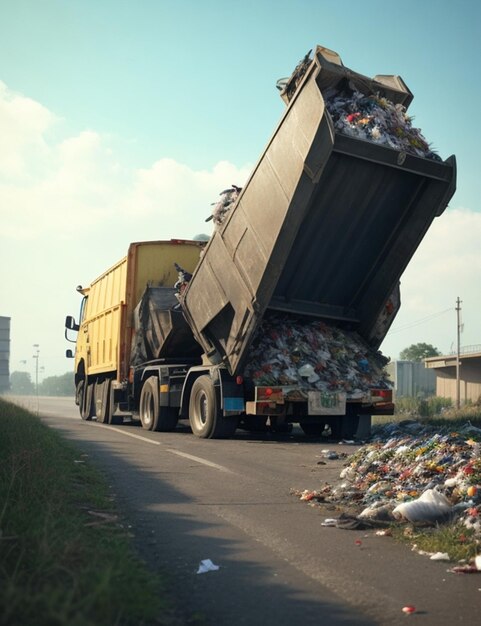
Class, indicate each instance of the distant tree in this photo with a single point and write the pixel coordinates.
(58, 385)
(418, 352)
(21, 384)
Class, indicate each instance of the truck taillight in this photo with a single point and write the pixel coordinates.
(381, 395)
(269, 394)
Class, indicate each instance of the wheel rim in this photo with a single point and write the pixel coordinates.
(148, 409)
(203, 409)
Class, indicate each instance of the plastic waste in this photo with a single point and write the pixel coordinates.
(432, 506)
(207, 565)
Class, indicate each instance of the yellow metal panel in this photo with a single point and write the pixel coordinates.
(105, 334)
(155, 263)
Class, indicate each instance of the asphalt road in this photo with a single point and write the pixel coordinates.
(188, 499)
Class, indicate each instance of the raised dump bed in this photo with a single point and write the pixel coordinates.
(324, 227)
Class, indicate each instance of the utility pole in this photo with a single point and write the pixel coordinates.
(458, 351)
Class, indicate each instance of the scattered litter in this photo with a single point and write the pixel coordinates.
(330, 454)
(207, 566)
(464, 569)
(329, 521)
(105, 518)
(440, 556)
(409, 609)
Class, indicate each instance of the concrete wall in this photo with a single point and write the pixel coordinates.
(469, 376)
(411, 379)
(4, 353)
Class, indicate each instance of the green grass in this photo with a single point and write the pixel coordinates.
(65, 558)
(456, 540)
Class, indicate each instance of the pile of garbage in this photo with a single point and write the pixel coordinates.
(410, 472)
(314, 355)
(376, 119)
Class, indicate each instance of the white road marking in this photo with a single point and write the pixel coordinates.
(221, 468)
(122, 432)
(198, 459)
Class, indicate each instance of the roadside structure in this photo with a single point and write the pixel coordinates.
(469, 374)
(411, 379)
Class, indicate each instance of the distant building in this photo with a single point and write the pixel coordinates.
(444, 368)
(411, 379)
(4, 353)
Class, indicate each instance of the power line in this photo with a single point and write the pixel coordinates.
(423, 320)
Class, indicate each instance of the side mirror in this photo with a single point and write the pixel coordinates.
(70, 323)
(69, 354)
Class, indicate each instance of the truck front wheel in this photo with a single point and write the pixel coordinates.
(152, 415)
(85, 397)
(206, 420)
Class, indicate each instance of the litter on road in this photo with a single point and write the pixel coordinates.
(207, 565)
(409, 472)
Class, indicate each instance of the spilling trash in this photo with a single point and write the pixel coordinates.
(409, 472)
(376, 119)
(228, 198)
(314, 355)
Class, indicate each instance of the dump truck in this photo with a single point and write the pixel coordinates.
(322, 230)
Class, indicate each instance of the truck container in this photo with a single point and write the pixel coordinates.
(322, 230)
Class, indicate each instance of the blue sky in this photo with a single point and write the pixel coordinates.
(123, 120)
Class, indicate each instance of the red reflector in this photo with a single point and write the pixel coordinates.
(239, 380)
(268, 392)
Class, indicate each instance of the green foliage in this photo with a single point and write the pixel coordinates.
(58, 385)
(418, 352)
(422, 407)
(455, 540)
(21, 384)
(64, 557)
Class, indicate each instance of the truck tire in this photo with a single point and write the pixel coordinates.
(349, 425)
(206, 420)
(102, 401)
(85, 395)
(312, 430)
(152, 415)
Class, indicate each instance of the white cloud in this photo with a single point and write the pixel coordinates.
(23, 124)
(446, 265)
(69, 209)
(70, 187)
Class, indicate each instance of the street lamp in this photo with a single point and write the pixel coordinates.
(36, 357)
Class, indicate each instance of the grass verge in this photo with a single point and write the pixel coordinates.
(64, 556)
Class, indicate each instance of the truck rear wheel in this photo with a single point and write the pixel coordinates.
(312, 430)
(152, 415)
(104, 403)
(206, 420)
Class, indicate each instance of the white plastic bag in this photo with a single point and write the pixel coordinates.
(431, 506)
